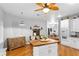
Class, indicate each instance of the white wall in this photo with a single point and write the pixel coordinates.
(1, 29)
(12, 28)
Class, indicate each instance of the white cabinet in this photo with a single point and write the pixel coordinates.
(45, 50)
(66, 42)
(74, 24)
(72, 42)
(75, 43)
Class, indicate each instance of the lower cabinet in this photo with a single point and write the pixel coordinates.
(45, 50)
(69, 47)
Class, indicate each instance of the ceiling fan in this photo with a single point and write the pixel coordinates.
(45, 7)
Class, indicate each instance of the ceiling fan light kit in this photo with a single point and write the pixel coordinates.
(46, 7)
(45, 10)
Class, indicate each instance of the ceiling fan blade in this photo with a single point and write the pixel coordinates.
(50, 4)
(53, 7)
(41, 4)
(39, 9)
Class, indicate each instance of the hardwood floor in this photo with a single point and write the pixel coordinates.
(23, 51)
(27, 51)
(67, 51)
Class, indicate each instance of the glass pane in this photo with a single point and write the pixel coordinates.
(64, 28)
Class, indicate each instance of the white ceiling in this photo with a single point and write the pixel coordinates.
(28, 9)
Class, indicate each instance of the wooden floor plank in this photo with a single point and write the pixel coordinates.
(28, 51)
(67, 51)
(23, 51)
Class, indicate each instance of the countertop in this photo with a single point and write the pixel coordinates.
(35, 43)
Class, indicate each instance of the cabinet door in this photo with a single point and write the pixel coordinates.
(11, 44)
(43, 50)
(46, 50)
(53, 50)
(35, 51)
(75, 25)
(40, 51)
(76, 43)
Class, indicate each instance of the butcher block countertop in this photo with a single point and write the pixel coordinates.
(41, 42)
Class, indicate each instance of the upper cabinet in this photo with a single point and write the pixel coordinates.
(69, 27)
(74, 27)
(75, 24)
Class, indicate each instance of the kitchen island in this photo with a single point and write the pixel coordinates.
(49, 47)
